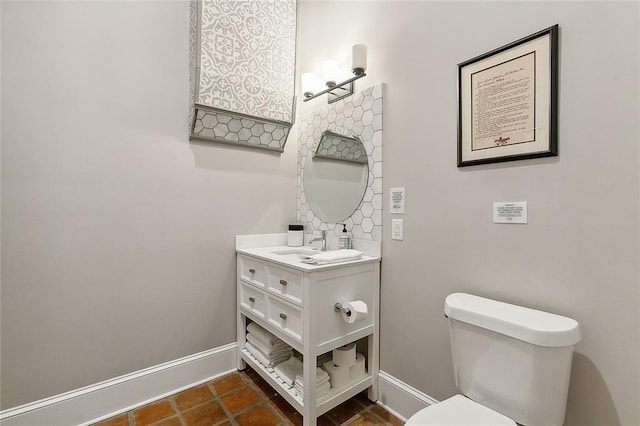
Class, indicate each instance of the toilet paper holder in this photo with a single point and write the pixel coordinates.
(339, 308)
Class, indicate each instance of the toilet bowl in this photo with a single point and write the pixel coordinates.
(516, 361)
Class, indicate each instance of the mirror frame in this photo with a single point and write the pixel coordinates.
(359, 115)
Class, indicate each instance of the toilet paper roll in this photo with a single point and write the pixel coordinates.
(357, 370)
(338, 376)
(344, 356)
(355, 310)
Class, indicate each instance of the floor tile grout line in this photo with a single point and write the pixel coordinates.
(370, 411)
(217, 397)
(276, 411)
(366, 410)
(266, 398)
(247, 384)
(288, 418)
(263, 396)
(271, 403)
(230, 416)
(174, 405)
(386, 422)
(251, 381)
(251, 407)
(199, 404)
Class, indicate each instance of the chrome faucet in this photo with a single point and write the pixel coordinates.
(323, 238)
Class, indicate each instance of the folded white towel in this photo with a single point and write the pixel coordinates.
(263, 334)
(319, 383)
(342, 255)
(321, 390)
(267, 350)
(288, 370)
(321, 376)
(267, 362)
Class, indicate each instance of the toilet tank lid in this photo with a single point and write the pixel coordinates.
(530, 325)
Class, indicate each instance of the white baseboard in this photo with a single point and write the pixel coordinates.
(111, 397)
(399, 398)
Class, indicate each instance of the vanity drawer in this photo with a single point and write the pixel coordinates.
(253, 300)
(286, 283)
(253, 271)
(286, 317)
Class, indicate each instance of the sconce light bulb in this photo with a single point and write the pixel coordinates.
(308, 80)
(359, 58)
(330, 72)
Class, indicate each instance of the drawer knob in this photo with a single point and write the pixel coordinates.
(283, 282)
(252, 299)
(283, 315)
(251, 270)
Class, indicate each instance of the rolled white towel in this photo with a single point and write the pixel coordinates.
(342, 255)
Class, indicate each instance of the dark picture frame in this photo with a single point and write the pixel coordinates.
(508, 102)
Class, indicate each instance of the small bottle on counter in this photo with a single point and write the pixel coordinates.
(344, 241)
(295, 236)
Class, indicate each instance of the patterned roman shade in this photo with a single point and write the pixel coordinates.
(243, 71)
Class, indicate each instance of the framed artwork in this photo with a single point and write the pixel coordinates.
(508, 102)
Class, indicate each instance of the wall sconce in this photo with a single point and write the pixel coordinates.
(336, 91)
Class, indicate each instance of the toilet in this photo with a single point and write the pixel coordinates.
(511, 365)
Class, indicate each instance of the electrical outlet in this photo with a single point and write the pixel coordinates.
(397, 232)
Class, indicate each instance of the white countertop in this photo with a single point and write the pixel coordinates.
(293, 260)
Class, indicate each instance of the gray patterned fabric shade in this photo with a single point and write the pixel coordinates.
(243, 71)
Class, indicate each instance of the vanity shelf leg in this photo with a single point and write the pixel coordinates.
(309, 380)
(309, 362)
(241, 327)
(373, 343)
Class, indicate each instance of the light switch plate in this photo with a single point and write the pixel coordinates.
(397, 231)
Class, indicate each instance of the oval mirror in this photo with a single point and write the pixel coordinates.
(335, 176)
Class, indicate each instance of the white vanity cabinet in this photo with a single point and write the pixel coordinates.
(297, 303)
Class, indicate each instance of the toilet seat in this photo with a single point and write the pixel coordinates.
(458, 410)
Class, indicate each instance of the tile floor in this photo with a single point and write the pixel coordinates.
(244, 399)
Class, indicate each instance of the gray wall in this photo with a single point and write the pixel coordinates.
(579, 254)
(117, 233)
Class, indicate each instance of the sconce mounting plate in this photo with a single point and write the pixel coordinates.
(340, 92)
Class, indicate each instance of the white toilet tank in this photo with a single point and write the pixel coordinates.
(512, 359)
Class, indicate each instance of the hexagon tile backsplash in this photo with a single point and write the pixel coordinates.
(359, 115)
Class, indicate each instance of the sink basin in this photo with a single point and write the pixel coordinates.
(305, 251)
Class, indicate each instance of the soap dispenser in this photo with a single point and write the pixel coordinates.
(344, 241)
